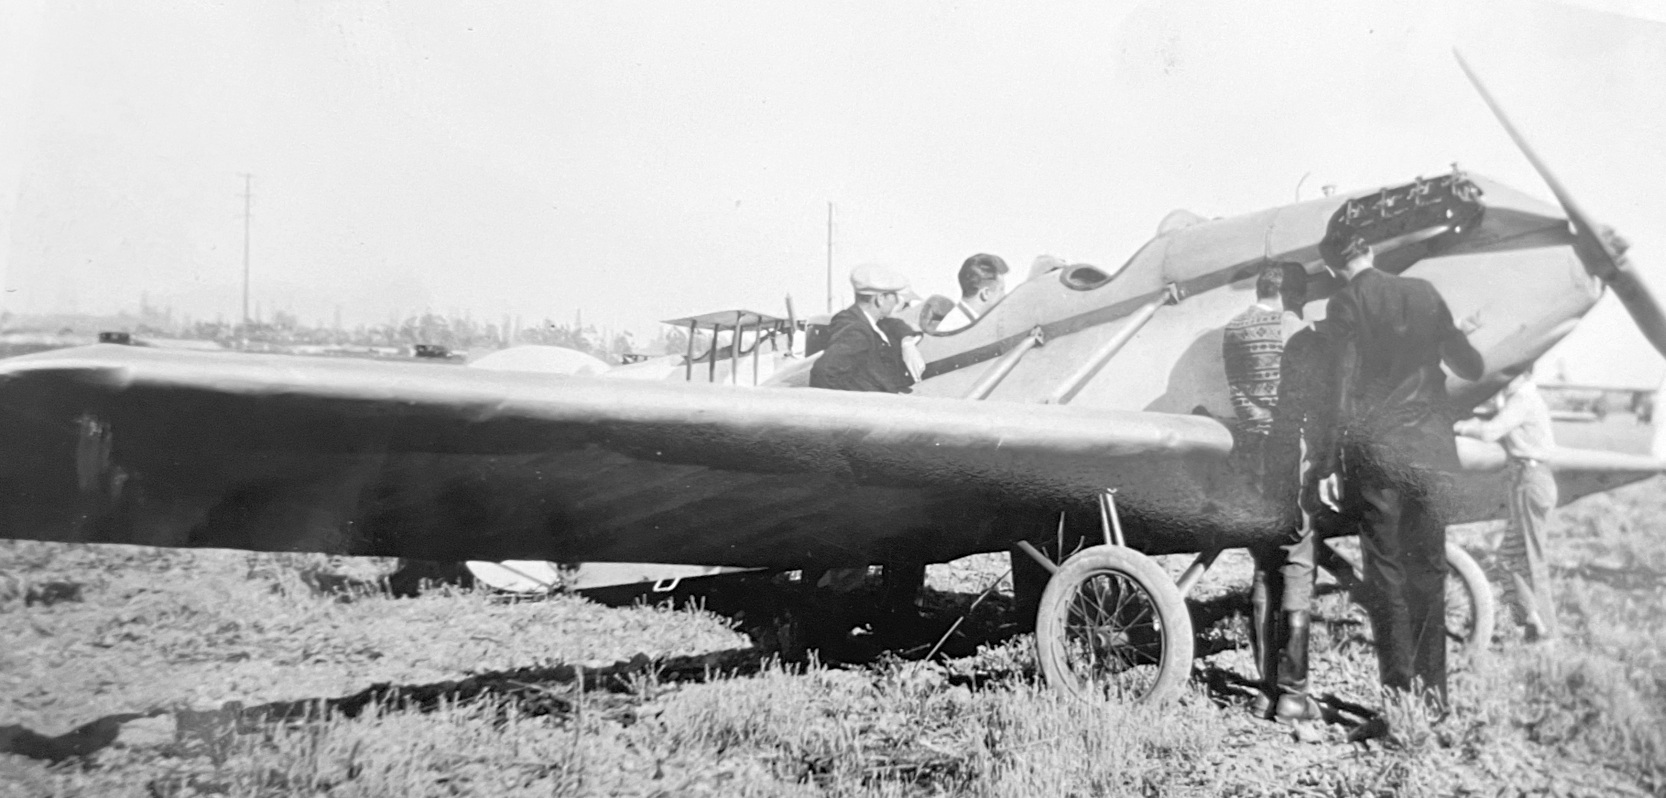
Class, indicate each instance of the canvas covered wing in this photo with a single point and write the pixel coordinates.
(129, 445)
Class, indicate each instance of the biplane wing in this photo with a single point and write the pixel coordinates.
(269, 452)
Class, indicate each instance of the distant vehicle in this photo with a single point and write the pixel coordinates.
(431, 351)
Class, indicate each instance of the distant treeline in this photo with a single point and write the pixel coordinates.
(457, 333)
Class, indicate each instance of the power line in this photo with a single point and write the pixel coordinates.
(248, 193)
(830, 257)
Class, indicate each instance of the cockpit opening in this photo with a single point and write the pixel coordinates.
(1083, 277)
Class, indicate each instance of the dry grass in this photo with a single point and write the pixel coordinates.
(481, 698)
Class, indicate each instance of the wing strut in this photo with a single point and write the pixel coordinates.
(998, 372)
(1073, 384)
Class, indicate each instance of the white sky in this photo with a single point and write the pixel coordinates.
(641, 161)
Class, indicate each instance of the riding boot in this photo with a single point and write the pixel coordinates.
(1264, 640)
(1293, 700)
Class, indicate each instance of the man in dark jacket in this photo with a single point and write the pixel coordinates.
(867, 350)
(1392, 334)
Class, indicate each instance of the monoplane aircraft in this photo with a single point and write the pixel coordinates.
(1081, 382)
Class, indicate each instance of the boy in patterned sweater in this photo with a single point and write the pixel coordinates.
(1253, 348)
(1252, 345)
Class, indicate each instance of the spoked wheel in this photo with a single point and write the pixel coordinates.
(1112, 623)
(1470, 607)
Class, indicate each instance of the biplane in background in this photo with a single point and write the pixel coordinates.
(1576, 402)
(1080, 382)
(741, 347)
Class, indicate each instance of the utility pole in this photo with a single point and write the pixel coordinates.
(829, 257)
(248, 186)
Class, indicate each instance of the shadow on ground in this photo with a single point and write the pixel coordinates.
(789, 624)
(553, 690)
(789, 620)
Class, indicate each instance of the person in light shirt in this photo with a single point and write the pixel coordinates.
(1522, 425)
(982, 283)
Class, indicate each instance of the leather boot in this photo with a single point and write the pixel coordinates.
(1264, 641)
(1293, 701)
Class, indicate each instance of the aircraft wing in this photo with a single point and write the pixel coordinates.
(270, 452)
(1579, 473)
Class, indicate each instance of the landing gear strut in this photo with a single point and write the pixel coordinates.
(1112, 623)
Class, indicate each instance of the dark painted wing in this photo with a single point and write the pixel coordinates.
(266, 452)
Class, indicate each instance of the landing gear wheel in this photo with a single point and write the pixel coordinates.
(1470, 609)
(1112, 623)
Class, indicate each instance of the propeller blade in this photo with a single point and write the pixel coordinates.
(1641, 303)
(1583, 229)
(1601, 257)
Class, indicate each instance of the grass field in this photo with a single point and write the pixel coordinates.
(172, 673)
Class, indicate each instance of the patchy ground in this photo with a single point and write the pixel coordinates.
(148, 672)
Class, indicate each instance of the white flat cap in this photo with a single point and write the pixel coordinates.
(872, 278)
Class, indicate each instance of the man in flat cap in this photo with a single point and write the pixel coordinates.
(1395, 443)
(867, 349)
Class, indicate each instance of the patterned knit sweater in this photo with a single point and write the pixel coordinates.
(1253, 343)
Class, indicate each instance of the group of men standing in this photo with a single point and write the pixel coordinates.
(1345, 424)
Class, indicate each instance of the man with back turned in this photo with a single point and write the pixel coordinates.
(1391, 335)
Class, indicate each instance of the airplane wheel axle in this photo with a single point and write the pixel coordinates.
(1112, 623)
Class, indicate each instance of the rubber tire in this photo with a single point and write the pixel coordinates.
(1177, 642)
(1481, 599)
(1474, 581)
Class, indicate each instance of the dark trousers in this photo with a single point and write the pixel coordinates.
(1288, 564)
(1403, 540)
(1281, 595)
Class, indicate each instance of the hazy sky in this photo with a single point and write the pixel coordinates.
(641, 161)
